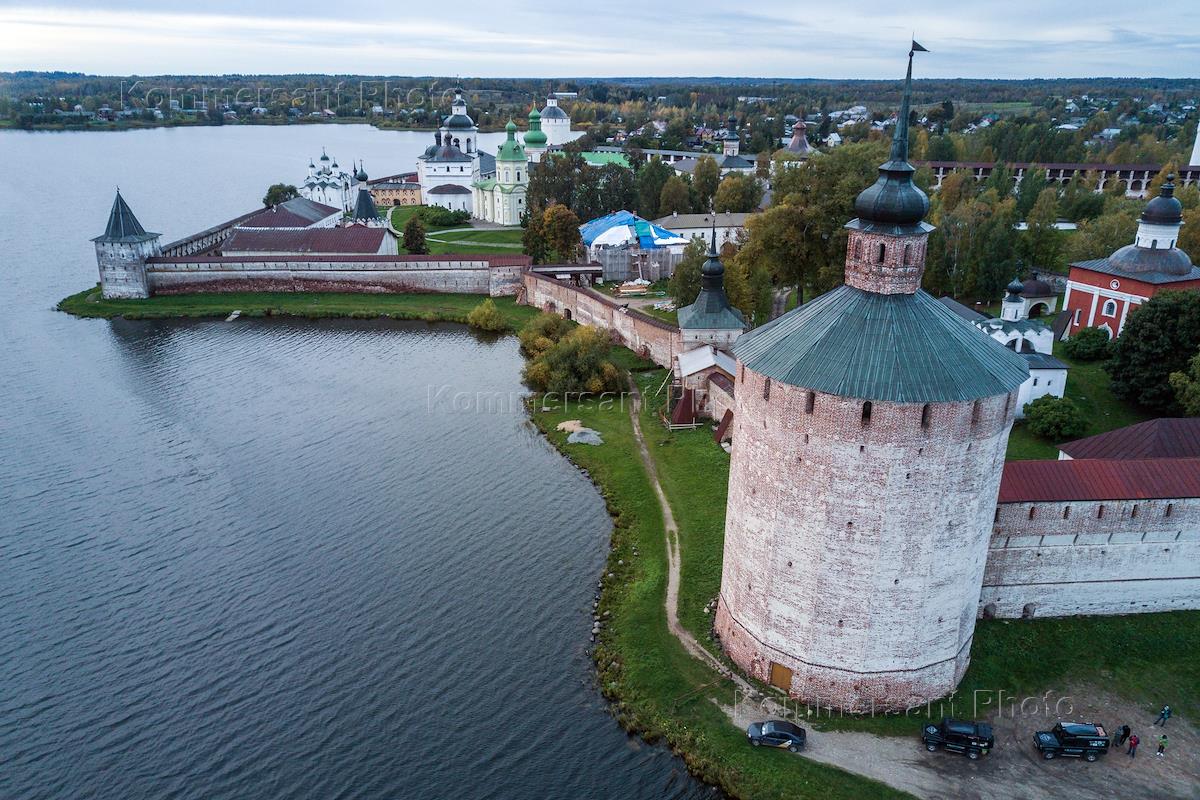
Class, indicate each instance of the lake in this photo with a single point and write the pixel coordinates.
(267, 558)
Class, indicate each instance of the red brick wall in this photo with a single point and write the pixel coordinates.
(899, 272)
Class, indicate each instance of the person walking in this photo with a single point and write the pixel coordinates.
(1162, 745)
(1133, 743)
(1163, 716)
(1122, 735)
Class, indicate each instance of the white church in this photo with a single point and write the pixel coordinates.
(455, 174)
(329, 184)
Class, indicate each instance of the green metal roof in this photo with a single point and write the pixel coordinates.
(600, 159)
(711, 312)
(123, 226)
(901, 348)
(511, 149)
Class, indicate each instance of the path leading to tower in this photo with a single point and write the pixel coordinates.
(1013, 771)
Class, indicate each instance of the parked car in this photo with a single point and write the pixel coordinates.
(974, 739)
(1081, 740)
(777, 733)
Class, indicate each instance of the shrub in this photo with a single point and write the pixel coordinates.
(1090, 344)
(541, 333)
(486, 317)
(414, 236)
(578, 363)
(1055, 418)
(436, 216)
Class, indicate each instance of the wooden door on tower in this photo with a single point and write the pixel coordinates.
(781, 677)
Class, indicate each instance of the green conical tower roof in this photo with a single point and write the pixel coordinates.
(511, 149)
(123, 226)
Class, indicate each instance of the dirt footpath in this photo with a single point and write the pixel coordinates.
(1014, 770)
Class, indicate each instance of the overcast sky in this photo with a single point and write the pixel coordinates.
(519, 38)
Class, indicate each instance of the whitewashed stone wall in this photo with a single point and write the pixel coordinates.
(1111, 557)
(333, 274)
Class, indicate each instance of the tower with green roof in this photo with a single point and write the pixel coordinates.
(869, 433)
(711, 319)
(501, 199)
(122, 251)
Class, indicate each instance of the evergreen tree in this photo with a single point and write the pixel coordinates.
(414, 236)
(1028, 191)
(650, 180)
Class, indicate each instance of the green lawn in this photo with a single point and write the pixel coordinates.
(485, 235)
(666, 316)
(1088, 388)
(431, 307)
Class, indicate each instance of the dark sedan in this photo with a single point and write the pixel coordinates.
(777, 733)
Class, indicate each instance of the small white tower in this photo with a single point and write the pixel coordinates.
(556, 123)
(731, 142)
(1196, 149)
(1013, 307)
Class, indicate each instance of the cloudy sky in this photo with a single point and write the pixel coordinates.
(520, 38)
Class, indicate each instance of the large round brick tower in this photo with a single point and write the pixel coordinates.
(870, 431)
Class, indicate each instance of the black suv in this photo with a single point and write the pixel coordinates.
(972, 738)
(1081, 740)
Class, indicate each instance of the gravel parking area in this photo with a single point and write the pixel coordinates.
(1014, 770)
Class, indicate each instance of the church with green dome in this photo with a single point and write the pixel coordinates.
(500, 198)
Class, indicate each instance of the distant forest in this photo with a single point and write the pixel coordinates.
(1126, 120)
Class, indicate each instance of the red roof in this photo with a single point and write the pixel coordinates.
(352, 239)
(1099, 479)
(1157, 438)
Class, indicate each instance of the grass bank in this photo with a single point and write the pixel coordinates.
(1148, 658)
(313, 305)
(656, 688)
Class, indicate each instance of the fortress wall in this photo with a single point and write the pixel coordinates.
(652, 338)
(332, 274)
(1110, 557)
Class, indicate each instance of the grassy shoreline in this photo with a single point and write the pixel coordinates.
(656, 689)
(311, 305)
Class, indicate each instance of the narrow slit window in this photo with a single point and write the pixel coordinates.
(925, 415)
(1066, 512)
(1170, 508)
(1100, 512)
(881, 254)
(810, 402)
(866, 413)
(1032, 511)
(767, 389)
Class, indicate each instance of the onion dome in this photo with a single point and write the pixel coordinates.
(712, 309)
(535, 136)
(1166, 208)
(731, 133)
(361, 175)
(323, 156)
(1036, 287)
(893, 203)
(1014, 288)
(511, 149)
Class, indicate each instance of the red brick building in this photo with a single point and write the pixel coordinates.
(1101, 293)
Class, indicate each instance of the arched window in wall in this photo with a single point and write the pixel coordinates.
(1110, 308)
(881, 254)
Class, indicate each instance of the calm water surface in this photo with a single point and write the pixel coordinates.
(252, 559)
